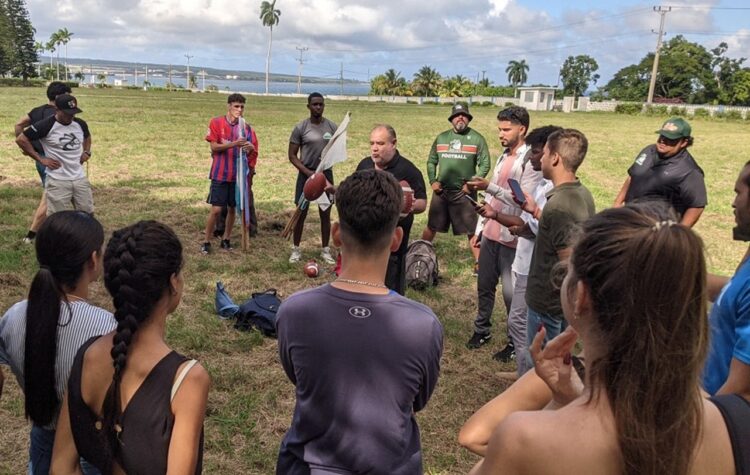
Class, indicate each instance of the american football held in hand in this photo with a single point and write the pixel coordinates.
(314, 186)
(407, 202)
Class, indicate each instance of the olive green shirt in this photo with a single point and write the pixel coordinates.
(568, 206)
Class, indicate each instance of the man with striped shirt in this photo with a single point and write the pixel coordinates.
(227, 140)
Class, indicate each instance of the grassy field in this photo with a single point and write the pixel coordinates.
(150, 162)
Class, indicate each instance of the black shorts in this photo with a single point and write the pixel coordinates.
(450, 208)
(301, 179)
(221, 194)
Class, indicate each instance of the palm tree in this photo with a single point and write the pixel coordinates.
(40, 48)
(65, 37)
(517, 72)
(56, 39)
(426, 82)
(269, 15)
(51, 48)
(395, 85)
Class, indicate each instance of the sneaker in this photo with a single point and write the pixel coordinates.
(506, 355)
(27, 240)
(205, 248)
(475, 272)
(325, 254)
(477, 340)
(225, 244)
(296, 255)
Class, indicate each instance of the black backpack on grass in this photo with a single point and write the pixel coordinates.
(421, 265)
(259, 312)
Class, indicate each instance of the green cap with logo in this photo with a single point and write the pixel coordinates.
(675, 128)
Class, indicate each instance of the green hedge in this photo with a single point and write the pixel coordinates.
(18, 82)
(630, 109)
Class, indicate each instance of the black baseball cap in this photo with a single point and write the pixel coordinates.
(67, 103)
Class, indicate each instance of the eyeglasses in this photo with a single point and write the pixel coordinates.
(668, 141)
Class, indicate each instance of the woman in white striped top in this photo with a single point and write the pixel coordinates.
(40, 336)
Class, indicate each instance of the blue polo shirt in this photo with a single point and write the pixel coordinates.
(730, 329)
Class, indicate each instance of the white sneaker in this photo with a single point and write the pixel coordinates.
(27, 240)
(296, 255)
(325, 254)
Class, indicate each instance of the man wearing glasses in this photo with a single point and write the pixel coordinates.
(667, 172)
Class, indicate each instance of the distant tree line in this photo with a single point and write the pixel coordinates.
(688, 72)
(17, 50)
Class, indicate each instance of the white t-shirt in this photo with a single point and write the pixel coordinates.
(63, 143)
(525, 246)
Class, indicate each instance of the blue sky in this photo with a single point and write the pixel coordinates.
(471, 38)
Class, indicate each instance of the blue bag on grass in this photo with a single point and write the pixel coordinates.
(259, 312)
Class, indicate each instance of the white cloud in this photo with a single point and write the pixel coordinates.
(466, 38)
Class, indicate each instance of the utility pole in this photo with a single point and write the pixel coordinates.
(662, 11)
(146, 80)
(187, 81)
(301, 50)
(342, 78)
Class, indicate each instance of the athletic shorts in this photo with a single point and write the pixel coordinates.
(222, 193)
(68, 194)
(451, 209)
(301, 179)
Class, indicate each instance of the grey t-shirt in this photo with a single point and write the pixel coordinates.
(362, 365)
(78, 322)
(312, 139)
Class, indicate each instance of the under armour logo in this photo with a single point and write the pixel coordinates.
(69, 142)
(359, 312)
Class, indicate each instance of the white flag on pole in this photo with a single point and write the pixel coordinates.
(334, 152)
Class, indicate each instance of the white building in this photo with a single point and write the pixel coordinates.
(536, 98)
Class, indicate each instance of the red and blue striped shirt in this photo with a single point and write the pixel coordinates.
(224, 164)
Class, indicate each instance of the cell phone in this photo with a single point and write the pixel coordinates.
(517, 191)
(472, 200)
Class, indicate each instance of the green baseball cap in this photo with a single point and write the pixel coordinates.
(675, 128)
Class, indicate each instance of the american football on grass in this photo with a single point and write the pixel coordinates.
(407, 202)
(314, 186)
(312, 269)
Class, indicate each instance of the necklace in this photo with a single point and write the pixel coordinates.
(361, 282)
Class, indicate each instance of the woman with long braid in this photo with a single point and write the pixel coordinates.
(134, 405)
(39, 337)
(635, 292)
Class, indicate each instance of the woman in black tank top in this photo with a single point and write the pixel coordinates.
(133, 404)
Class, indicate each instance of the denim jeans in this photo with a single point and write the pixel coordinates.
(554, 324)
(40, 453)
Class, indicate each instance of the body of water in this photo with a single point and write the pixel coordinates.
(328, 88)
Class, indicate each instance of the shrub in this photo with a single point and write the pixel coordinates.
(677, 110)
(71, 84)
(655, 110)
(18, 82)
(630, 109)
(701, 112)
(509, 104)
(733, 115)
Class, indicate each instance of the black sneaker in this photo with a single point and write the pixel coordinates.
(477, 340)
(225, 244)
(506, 355)
(205, 248)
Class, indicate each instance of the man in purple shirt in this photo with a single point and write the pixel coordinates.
(363, 359)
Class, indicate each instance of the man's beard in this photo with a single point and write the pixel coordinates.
(460, 127)
(741, 233)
